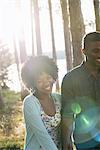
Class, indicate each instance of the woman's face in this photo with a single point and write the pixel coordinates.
(44, 83)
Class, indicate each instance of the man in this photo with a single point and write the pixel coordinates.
(81, 100)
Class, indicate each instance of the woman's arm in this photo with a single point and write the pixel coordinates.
(33, 118)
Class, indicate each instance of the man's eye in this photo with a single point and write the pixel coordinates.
(96, 50)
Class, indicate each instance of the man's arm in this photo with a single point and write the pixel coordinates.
(67, 95)
(66, 130)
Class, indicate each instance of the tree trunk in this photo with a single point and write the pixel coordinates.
(16, 54)
(1, 99)
(97, 14)
(23, 54)
(37, 27)
(53, 40)
(52, 32)
(65, 16)
(23, 57)
(77, 30)
(31, 13)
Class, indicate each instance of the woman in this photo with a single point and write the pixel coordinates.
(42, 107)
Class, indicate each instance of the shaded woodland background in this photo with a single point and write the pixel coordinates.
(73, 26)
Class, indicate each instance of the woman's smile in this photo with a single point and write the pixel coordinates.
(44, 83)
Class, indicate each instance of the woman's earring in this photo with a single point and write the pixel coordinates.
(32, 90)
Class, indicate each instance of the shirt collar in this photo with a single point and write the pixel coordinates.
(85, 69)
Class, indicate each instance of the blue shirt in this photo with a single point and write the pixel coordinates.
(36, 133)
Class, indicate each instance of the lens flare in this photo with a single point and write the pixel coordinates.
(75, 107)
(97, 138)
(85, 120)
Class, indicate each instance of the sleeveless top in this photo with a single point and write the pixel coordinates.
(52, 123)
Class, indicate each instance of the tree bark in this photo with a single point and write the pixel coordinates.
(1, 99)
(77, 30)
(37, 27)
(53, 40)
(23, 54)
(31, 13)
(97, 14)
(65, 16)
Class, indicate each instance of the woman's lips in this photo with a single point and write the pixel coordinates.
(48, 87)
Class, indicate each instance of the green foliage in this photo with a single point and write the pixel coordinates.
(11, 144)
(11, 122)
(10, 96)
(6, 59)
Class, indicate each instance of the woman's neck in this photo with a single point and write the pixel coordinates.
(47, 103)
(42, 96)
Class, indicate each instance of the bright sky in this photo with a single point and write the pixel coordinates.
(88, 14)
(15, 19)
(88, 9)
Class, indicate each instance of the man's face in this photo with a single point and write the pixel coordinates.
(92, 51)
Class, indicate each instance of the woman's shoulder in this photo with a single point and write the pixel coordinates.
(31, 100)
(57, 96)
(31, 104)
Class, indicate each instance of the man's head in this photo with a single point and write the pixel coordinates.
(91, 37)
(91, 48)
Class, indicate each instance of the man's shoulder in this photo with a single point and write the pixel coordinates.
(74, 72)
(76, 69)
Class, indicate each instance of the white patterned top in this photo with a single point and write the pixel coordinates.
(52, 123)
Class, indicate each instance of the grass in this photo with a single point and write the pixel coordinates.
(11, 122)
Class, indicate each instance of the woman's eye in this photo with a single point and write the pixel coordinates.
(39, 82)
(49, 77)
